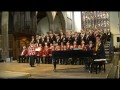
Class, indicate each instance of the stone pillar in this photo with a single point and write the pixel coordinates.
(114, 27)
(34, 22)
(51, 21)
(73, 23)
(4, 28)
(52, 27)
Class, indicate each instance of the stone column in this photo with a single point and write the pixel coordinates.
(4, 28)
(34, 22)
(51, 26)
(114, 27)
(73, 23)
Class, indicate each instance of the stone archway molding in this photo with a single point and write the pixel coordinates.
(50, 18)
(62, 19)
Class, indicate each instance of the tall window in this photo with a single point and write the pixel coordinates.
(95, 20)
(69, 20)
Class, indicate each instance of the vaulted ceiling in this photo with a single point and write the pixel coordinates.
(40, 15)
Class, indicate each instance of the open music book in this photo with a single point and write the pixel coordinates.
(38, 49)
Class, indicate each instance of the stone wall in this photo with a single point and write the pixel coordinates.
(0, 42)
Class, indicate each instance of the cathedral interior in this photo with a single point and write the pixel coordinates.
(17, 28)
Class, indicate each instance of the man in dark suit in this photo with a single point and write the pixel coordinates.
(23, 54)
(100, 52)
(58, 40)
(92, 37)
(108, 35)
(64, 40)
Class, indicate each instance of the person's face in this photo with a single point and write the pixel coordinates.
(50, 44)
(61, 43)
(90, 42)
(56, 44)
(40, 45)
(45, 43)
(74, 43)
(32, 37)
(31, 44)
(83, 42)
(24, 47)
(67, 43)
(97, 38)
(64, 46)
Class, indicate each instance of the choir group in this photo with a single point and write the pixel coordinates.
(41, 46)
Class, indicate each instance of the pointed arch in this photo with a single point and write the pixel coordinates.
(62, 20)
(50, 18)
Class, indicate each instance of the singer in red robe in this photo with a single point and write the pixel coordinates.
(23, 54)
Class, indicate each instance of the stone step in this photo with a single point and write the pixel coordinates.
(106, 52)
(107, 55)
(106, 46)
(107, 42)
(117, 53)
(106, 49)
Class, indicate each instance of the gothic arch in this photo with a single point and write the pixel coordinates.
(62, 20)
(50, 19)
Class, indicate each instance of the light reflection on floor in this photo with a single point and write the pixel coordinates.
(46, 70)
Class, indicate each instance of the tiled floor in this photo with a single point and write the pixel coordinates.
(46, 70)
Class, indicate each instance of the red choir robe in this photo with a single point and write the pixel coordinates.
(24, 52)
(84, 48)
(71, 47)
(31, 50)
(75, 46)
(39, 53)
(57, 48)
(61, 47)
(68, 47)
(91, 47)
(45, 51)
(65, 48)
(51, 48)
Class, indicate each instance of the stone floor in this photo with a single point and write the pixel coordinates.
(14, 75)
(46, 71)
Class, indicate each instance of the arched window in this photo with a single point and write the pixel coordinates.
(95, 20)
